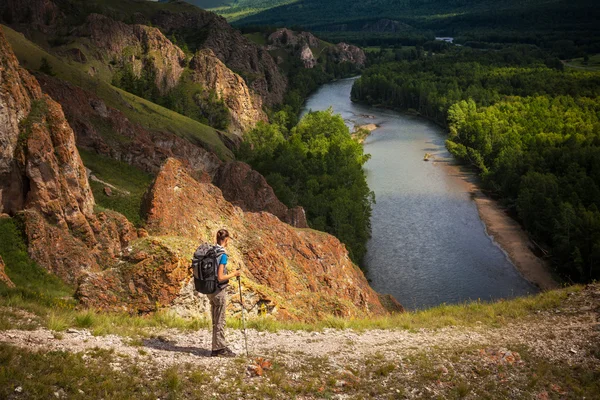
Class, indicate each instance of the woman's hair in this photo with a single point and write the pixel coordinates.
(222, 235)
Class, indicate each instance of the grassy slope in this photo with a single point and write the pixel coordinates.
(131, 184)
(138, 110)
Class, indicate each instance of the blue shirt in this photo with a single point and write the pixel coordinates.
(222, 259)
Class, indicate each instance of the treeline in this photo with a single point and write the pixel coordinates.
(529, 127)
(317, 165)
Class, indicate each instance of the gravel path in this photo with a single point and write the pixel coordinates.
(564, 335)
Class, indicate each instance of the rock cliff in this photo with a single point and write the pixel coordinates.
(138, 46)
(246, 188)
(245, 106)
(290, 273)
(254, 63)
(43, 178)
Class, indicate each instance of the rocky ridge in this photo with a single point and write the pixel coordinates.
(89, 117)
(239, 54)
(245, 106)
(137, 46)
(288, 272)
(44, 179)
(304, 44)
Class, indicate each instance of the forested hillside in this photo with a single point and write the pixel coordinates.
(529, 127)
(544, 23)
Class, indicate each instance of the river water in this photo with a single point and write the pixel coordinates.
(428, 244)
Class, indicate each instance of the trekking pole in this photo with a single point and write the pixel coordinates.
(243, 320)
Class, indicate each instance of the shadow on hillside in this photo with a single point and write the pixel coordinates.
(159, 344)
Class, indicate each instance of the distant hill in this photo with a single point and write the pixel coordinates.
(535, 22)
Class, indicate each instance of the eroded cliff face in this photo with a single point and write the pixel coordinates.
(44, 179)
(289, 272)
(239, 54)
(138, 46)
(245, 106)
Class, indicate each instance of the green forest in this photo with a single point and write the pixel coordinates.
(567, 27)
(529, 126)
(317, 165)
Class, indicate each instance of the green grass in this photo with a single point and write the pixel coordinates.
(123, 176)
(33, 283)
(138, 110)
(98, 373)
(257, 38)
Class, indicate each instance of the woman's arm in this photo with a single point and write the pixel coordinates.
(222, 277)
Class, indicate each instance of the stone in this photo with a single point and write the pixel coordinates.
(107, 191)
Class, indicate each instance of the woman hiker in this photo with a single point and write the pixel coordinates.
(218, 299)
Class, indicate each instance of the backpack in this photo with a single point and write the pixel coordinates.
(204, 266)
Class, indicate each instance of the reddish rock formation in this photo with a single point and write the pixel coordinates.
(90, 117)
(292, 273)
(245, 107)
(42, 174)
(244, 187)
(135, 45)
(231, 47)
(3, 277)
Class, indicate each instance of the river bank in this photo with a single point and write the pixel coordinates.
(504, 229)
(506, 232)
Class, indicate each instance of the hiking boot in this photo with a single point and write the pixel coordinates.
(225, 352)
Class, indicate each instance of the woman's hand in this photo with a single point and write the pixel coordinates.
(236, 274)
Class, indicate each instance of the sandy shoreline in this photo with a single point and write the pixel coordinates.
(507, 232)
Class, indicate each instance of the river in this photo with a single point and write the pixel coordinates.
(429, 245)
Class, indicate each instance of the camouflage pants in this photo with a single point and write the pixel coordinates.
(218, 303)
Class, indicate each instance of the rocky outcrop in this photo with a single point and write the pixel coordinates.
(138, 46)
(3, 277)
(109, 132)
(285, 37)
(303, 44)
(288, 272)
(245, 107)
(246, 188)
(32, 15)
(307, 57)
(345, 52)
(43, 178)
(254, 63)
